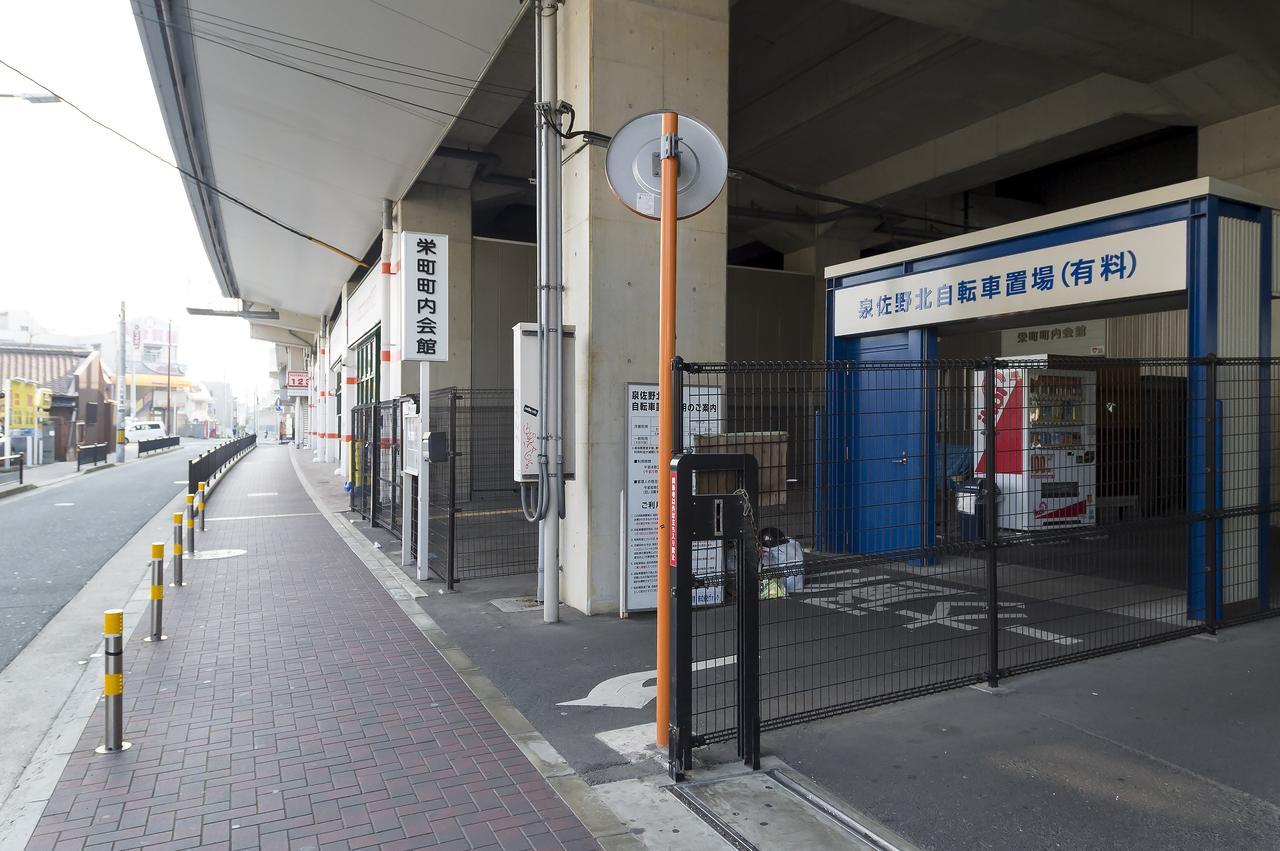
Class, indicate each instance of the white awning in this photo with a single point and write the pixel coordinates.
(247, 106)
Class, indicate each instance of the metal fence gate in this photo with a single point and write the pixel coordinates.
(377, 486)
(476, 527)
(907, 548)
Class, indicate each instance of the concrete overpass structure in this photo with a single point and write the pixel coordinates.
(854, 127)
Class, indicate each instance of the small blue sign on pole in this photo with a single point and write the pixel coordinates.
(279, 409)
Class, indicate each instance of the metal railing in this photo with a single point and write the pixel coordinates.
(12, 467)
(208, 465)
(156, 444)
(93, 453)
(906, 548)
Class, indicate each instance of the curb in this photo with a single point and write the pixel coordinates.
(23, 488)
(22, 805)
(603, 824)
(94, 469)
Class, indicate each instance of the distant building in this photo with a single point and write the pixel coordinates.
(20, 326)
(83, 411)
(222, 407)
(153, 371)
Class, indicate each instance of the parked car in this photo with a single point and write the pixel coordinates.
(143, 431)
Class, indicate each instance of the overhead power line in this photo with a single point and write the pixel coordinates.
(190, 176)
(388, 98)
(337, 52)
(356, 58)
(591, 137)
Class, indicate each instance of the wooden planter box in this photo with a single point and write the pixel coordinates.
(770, 451)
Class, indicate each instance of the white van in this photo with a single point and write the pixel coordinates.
(136, 431)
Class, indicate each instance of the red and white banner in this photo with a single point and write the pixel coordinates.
(1010, 400)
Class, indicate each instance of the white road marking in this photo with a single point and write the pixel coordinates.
(181, 482)
(262, 516)
(881, 596)
(1042, 635)
(943, 616)
(263, 493)
(628, 691)
(63, 504)
(202, 555)
(876, 593)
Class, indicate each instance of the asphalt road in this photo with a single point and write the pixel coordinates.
(55, 538)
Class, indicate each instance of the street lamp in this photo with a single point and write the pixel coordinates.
(30, 97)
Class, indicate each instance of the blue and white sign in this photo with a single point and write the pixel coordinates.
(1144, 262)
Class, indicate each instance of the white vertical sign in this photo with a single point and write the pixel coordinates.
(424, 270)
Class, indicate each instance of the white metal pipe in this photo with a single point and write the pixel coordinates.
(540, 184)
(322, 378)
(384, 304)
(549, 245)
(424, 468)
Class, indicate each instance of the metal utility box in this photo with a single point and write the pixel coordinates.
(528, 417)
(971, 508)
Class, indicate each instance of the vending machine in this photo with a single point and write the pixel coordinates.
(1046, 445)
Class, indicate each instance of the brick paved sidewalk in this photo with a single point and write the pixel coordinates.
(296, 706)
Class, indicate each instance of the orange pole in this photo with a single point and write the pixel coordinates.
(666, 353)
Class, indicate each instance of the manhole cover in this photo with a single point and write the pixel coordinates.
(515, 604)
(212, 554)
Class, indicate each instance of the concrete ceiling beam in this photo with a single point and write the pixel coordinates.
(862, 65)
(1143, 40)
(1101, 110)
(275, 334)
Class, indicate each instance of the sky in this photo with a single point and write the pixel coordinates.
(88, 221)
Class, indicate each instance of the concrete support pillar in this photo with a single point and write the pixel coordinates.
(618, 59)
(1244, 150)
(442, 209)
(827, 250)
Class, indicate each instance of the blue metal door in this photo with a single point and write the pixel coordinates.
(891, 442)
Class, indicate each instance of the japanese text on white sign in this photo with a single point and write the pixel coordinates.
(424, 267)
(1136, 263)
(702, 415)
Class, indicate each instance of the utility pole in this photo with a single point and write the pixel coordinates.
(168, 383)
(120, 393)
(133, 375)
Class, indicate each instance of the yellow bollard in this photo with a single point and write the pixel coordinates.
(113, 681)
(177, 550)
(157, 594)
(191, 523)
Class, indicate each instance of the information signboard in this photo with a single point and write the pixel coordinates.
(702, 415)
(298, 383)
(22, 406)
(411, 441)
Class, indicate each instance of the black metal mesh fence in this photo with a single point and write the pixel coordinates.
(880, 578)
(476, 526)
